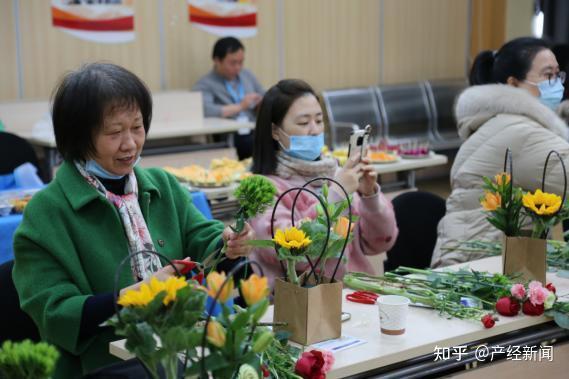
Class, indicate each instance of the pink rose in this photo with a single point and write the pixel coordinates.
(314, 364)
(534, 284)
(518, 291)
(537, 295)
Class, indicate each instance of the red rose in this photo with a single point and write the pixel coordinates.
(314, 364)
(551, 287)
(532, 310)
(508, 306)
(266, 372)
(488, 321)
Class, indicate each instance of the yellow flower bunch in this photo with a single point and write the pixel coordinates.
(214, 282)
(542, 203)
(254, 289)
(147, 292)
(291, 238)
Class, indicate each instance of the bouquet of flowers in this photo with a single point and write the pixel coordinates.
(162, 319)
(508, 206)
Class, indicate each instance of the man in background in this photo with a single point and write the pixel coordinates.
(230, 91)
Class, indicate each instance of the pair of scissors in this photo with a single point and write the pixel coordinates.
(189, 266)
(363, 297)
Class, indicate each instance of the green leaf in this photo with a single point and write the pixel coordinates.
(240, 321)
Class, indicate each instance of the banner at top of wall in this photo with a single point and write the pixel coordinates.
(104, 21)
(225, 17)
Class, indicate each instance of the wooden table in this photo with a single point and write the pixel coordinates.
(414, 350)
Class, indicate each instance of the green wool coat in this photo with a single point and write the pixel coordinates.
(70, 243)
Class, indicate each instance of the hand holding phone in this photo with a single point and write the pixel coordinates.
(359, 140)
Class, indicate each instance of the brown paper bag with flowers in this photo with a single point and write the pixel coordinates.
(310, 305)
(523, 251)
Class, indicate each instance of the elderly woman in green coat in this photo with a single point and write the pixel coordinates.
(100, 208)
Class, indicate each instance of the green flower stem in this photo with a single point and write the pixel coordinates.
(291, 271)
(170, 364)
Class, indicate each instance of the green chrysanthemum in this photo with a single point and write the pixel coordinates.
(255, 194)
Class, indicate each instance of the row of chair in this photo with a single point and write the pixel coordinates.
(422, 110)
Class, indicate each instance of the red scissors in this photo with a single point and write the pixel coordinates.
(188, 267)
(363, 297)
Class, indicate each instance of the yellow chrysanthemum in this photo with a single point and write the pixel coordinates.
(491, 201)
(291, 238)
(542, 203)
(498, 178)
(147, 292)
(216, 333)
(254, 289)
(214, 281)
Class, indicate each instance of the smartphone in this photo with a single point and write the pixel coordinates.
(359, 140)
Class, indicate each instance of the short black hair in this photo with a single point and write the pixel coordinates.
(273, 109)
(226, 45)
(83, 98)
(513, 59)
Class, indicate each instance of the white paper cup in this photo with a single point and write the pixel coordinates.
(393, 311)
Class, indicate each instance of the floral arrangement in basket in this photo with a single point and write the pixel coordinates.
(313, 241)
(508, 207)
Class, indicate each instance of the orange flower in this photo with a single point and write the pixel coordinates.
(254, 289)
(498, 178)
(491, 201)
(216, 334)
(341, 227)
(214, 281)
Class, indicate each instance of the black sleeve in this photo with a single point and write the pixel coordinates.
(96, 310)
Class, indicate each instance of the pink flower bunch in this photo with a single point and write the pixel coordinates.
(533, 300)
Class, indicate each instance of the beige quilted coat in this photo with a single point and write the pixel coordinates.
(490, 119)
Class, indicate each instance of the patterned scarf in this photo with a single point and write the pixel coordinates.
(135, 228)
(288, 167)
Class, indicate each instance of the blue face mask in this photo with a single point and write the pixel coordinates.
(305, 147)
(550, 94)
(96, 169)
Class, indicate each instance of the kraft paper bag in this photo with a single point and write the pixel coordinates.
(312, 314)
(525, 256)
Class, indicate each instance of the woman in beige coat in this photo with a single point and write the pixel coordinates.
(509, 106)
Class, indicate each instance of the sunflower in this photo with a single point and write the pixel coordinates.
(147, 292)
(291, 238)
(542, 203)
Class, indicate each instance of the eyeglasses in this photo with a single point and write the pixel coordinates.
(552, 78)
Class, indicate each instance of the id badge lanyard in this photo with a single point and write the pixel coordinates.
(237, 97)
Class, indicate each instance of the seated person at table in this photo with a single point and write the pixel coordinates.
(230, 91)
(288, 140)
(509, 105)
(100, 208)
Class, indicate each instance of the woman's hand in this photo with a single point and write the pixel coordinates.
(349, 175)
(367, 185)
(163, 274)
(237, 243)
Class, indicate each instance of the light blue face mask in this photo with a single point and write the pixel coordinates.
(307, 148)
(550, 94)
(96, 169)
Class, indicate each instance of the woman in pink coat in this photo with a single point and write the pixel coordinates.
(289, 137)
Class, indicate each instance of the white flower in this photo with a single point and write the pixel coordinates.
(247, 372)
(549, 300)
